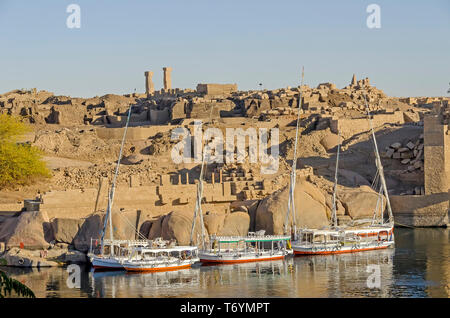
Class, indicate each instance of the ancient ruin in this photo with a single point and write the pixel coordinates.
(149, 86)
(167, 78)
(80, 140)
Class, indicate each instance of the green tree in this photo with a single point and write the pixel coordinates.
(20, 164)
(9, 285)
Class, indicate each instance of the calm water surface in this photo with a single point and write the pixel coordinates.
(419, 266)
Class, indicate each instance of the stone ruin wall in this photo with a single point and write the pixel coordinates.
(175, 192)
(348, 127)
(431, 209)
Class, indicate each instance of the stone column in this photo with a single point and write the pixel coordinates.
(436, 154)
(149, 87)
(167, 78)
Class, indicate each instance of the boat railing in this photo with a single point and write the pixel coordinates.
(95, 245)
(250, 238)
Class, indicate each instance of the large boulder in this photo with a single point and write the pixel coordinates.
(236, 224)
(7, 228)
(248, 206)
(18, 257)
(340, 210)
(214, 222)
(156, 228)
(91, 229)
(227, 224)
(177, 225)
(145, 227)
(65, 229)
(360, 202)
(310, 209)
(125, 225)
(75, 257)
(32, 229)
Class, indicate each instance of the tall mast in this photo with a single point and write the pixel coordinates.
(291, 202)
(198, 204)
(379, 165)
(113, 187)
(334, 216)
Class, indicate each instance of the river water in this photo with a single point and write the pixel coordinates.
(419, 266)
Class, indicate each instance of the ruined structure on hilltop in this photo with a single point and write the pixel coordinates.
(168, 105)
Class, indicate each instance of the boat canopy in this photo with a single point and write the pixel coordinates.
(236, 239)
(319, 232)
(168, 249)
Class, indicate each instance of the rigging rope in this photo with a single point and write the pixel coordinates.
(113, 186)
(291, 201)
(198, 203)
(378, 163)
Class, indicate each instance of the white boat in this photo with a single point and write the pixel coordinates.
(147, 259)
(350, 239)
(328, 241)
(235, 249)
(244, 249)
(112, 260)
(136, 255)
(107, 255)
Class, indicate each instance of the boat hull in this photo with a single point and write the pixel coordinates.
(299, 250)
(158, 266)
(156, 269)
(106, 264)
(306, 251)
(217, 259)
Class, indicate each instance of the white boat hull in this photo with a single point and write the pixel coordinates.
(106, 263)
(337, 249)
(231, 258)
(158, 266)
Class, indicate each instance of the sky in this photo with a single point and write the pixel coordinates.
(234, 41)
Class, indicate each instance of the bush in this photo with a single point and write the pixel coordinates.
(20, 164)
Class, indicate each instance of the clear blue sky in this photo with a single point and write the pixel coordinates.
(229, 41)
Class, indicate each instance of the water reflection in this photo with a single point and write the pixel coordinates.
(417, 267)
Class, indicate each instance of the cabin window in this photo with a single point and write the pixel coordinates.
(320, 238)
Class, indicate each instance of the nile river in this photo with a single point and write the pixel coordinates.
(419, 266)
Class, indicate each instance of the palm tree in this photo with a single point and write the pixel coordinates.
(9, 285)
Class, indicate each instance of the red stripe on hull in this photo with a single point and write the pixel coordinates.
(160, 269)
(340, 252)
(241, 260)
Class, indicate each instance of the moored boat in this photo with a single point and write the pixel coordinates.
(111, 254)
(107, 254)
(235, 249)
(243, 249)
(328, 241)
(136, 255)
(376, 234)
(147, 259)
